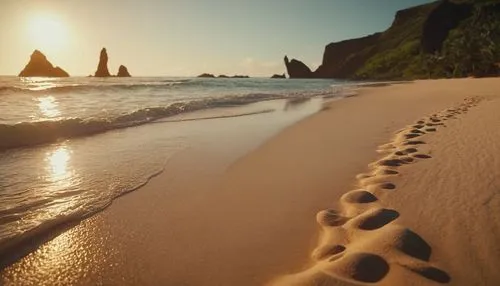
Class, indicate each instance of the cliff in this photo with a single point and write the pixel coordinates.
(422, 41)
(343, 58)
(40, 66)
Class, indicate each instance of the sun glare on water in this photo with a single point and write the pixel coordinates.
(47, 32)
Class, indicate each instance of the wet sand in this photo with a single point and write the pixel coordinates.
(395, 186)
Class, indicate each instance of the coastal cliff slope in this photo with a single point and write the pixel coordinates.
(440, 39)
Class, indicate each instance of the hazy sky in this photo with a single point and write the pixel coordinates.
(184, 37)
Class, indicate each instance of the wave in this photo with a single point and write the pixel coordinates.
(26, 134)
(92, 87)
(14, 247)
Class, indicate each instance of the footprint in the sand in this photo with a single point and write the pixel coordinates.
(389, 172)
(330, 217)
(412, 135)
(406, 151)
(388, 186)
(391, 162)
(432, 273)
(414, 142)
(422, 156)
(364, 241)
(363, 267)
(358, 197)
(373, 219)
(328, 251)
(417, 131)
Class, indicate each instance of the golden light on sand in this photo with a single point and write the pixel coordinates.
(47, 32)
(58, 163)
(48, 106)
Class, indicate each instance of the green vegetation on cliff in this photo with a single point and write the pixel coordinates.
(445, 38)
(470, 49)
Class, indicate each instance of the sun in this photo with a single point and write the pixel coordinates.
(47, 32)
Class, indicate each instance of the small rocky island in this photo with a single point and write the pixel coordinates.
(40, 66)
(209, 75)
(278, 76)
(102, 67)
(123, 72)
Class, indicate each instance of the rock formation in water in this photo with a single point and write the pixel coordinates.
(123, 72)
(278, 76)
(102, 68)
(209, 75)
(40, 66)
(297, 69)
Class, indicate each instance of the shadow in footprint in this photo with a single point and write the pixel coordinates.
(430, 129)
(378, 219)
(365, 267)
(411, 135)
(422, 156)
(413, 245)
(407, 160)
(390, 172)
(434, 274)
(414, 142)
(388, 186)
(391, 163)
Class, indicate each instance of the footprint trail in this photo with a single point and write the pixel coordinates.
(362, 242)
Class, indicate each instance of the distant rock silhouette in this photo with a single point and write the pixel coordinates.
(123, 72)
(209, 75)
(278, 76)
(40, 66)
(102, 68)
(297, 69)
(206, 75)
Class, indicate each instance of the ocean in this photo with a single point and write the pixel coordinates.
(69, 146)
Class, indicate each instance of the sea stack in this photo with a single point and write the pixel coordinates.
(40, 66)
(278, 76)
(102, 68)
(123, 72)
(297, 69)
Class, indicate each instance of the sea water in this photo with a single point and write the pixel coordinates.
(69, 146)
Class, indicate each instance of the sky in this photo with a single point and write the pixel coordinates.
(184, 37)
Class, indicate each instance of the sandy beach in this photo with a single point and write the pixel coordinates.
(395, 186)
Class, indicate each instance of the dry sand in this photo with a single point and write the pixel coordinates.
(423, 210)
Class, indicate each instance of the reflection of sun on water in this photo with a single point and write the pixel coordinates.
(58, 163)
(48, 106)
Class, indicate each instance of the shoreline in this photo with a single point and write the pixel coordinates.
(254, 220)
